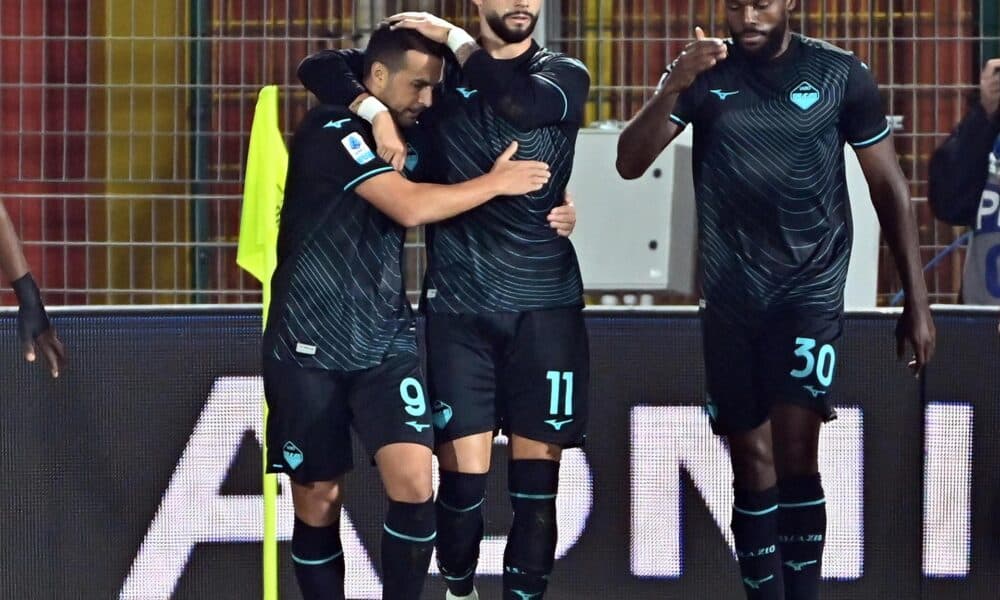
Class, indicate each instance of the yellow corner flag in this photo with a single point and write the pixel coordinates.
(263, 194)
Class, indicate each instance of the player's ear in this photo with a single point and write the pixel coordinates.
(791, 4)
(380, 75)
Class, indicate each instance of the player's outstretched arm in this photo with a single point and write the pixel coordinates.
(334, 77)
(960, 166)
(891, 196)
(37, 335)
(652, 128)
(411, 204)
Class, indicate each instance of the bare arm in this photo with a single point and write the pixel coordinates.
(891, 198)
(647, 134)
(654, 127)
(37, 335)
(12, 262)
(411, 204)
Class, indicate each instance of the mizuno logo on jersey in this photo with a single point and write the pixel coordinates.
(558, 425)
(418, 426)
(722, 94)
(466, 92)
(814, 392)
(336, 124)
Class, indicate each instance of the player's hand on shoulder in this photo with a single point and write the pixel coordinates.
(431, 27)
(699, 56)
(389, 142)
(517, 177)
(563, 217)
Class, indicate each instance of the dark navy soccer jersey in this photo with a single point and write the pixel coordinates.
(501, 256)
(338, 300)
(773, 208)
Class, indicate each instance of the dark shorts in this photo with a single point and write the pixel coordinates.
(750, 366)
(524, 373)
(311, 412)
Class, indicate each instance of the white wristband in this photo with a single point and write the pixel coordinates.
(459, 37)
(370, 107)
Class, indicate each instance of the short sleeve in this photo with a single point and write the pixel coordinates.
(862, 117)
(688, 101)
(351, 153)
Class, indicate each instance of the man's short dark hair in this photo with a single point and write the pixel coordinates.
(389, 47)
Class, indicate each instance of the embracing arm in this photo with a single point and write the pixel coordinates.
(334, 76)
(555, 94)
(411, 204)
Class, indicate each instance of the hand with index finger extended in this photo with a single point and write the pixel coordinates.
(698, 56)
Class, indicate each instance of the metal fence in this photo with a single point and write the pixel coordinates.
(124, 123)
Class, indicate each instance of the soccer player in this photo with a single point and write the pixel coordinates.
(963, 187)
(37, 335)
(339, 349)
(506, 342)
(771, 111)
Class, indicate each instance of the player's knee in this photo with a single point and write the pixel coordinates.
(410, 486)
(796, 456)
(753, 462)
(317, 504)
(470, 454)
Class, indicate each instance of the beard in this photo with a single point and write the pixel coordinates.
(772, 45)
(505, 33)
